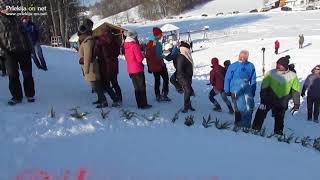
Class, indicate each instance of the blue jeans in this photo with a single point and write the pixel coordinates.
(38, 58)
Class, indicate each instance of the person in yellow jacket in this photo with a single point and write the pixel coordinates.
(278, 87)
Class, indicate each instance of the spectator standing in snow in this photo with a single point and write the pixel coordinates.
(301, 41)
(106, 52)
(156, 65)
(16, 48)
(185, 73)
(34, 36)
(240, 82)
(173, 55)
(217, 81)
(226, 64)
(276, 46)
(312, 86)
(90, 65)
(278, 87)
(135, 68)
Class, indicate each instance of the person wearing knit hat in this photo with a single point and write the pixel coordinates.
(217, 75)
(312, 87)
(184, 75)
(156, 65)
(278, 87)
(135, 68)
(17, 48)
(240, 83)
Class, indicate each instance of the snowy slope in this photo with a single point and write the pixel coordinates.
(35, 145)
(225, 6)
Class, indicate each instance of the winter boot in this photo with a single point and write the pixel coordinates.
(165, 98)
(180, 91)
(158, 98)
(146, 107)
(116, 104)
(218, 109)
(30, 99)
(102, 105)
(191, 108)
(13, 102)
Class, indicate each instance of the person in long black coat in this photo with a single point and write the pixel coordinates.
(184, 74)
(17, 48)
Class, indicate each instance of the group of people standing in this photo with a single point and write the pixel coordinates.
(19, 42)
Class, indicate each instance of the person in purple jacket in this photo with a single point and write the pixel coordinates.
(312, 86)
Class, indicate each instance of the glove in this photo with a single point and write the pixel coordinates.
(262, 107)
(294, 110)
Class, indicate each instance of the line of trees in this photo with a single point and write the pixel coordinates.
(148, 9)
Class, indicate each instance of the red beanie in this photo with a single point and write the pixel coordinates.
(214, 61)
(156, 31)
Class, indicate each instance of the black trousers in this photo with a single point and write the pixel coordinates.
(3, 65)
(188, 92)
(98, 88)
(313, 105)
(13, 63)
(139, 84)
(165, 77)
(261, 115)
(276, 51)
(115, 86)
(174, 81)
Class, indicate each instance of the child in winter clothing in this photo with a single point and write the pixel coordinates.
(278, 87)
(240, 82)
(135, 69)
(276, 46)
(312, 85)
(217, 81)
(156, 65)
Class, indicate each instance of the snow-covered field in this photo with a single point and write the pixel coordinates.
(34, 145)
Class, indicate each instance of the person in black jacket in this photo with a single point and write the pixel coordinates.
(17, 48)
(185, 73)
(312, 85)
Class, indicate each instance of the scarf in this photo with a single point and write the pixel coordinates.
(186, 53)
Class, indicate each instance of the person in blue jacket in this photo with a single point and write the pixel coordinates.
(240, 83)
(34, 35)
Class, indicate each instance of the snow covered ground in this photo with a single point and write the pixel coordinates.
(34, 145)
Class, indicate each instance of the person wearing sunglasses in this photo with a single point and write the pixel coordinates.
(312, 86)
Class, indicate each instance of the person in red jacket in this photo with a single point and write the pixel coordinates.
(156, 65)
(217, 75)
(135, 69)
(111, 64)
(276, 47)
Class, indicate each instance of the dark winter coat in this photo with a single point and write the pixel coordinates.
(184, 70)
(217, 77)
(32, 31)
(312, 85)
(107, 50)
(13, 38)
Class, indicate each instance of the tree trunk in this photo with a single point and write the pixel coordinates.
(61, 20)
(54, 22)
